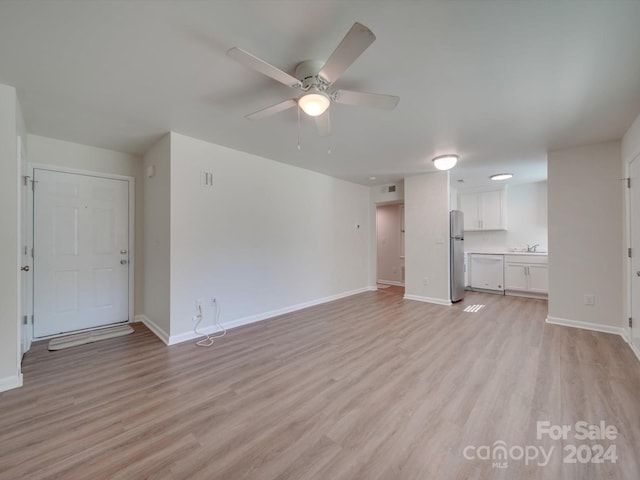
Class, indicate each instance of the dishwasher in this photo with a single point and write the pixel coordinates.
(487, 272)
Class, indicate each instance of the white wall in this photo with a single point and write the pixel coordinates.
(390, 262)
(267, 237)
(427, 237)
(586, 235)
(526, 221)
(10, 374)
(60, 153)
(156, 241)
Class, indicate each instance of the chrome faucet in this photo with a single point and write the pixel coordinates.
(532, 248)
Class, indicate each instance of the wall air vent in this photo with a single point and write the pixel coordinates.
(388, 189)
(206, 179)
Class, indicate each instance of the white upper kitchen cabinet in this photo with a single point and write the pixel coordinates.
(484, 210)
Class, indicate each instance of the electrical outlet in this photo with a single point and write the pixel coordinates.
(589, 299)
(425, 281)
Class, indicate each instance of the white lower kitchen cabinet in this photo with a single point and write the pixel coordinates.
(526, 275)
(487, 272)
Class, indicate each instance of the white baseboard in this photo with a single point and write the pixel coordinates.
(391, 282)
(157, 331)
(437, 301)
(9, 383)
(596, 327)
(623, 332)
(191, 335)
(273, 313)
(211, 329)
(634, 349)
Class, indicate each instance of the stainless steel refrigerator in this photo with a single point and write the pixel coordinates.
(456, 224)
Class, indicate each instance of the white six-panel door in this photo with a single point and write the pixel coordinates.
(81, 245)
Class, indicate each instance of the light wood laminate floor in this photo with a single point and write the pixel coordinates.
(367, 387)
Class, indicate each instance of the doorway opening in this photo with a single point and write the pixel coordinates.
(390, 269)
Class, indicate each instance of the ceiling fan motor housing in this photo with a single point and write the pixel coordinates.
(307, 73)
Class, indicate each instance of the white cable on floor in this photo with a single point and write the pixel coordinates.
(208, 340)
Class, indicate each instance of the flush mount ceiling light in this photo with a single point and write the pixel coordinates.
(445, 162)
(314, 103)
(501, 176)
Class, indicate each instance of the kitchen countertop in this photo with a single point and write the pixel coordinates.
(506, 252)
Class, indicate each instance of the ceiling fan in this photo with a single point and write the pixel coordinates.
(314, 79)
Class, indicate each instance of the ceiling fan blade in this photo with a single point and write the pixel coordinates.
(350, 48)
(263, 67)
(363, 99)
(272, 110)
(322, 124)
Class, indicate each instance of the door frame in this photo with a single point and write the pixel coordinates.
(629, 225)
(374, 246)
(132, 207)
(25, 232)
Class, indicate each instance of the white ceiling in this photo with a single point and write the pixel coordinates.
(498, 82)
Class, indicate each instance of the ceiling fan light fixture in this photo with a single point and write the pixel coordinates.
(445, 162)
(314, 103)
(501, 176)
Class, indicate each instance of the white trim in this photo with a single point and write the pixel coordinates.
(190, 335)
(132, 245)
(437, 301)
(634, 349)
(90, 173)
(391, 282)
(629, 269)
(517, 293)
(623, 332)
(131, 181)
(155, 329)
(9, 383)
(596, 327)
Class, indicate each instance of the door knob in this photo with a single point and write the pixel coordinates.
(26, 269)
(123, 262)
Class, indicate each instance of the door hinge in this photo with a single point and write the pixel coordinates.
(32, 253)
(628, 182)
(24, 320)
(630, 322)
(629, 252)
(26, 179)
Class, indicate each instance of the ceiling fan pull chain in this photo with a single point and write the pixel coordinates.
(329, 132)
(298, 127)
